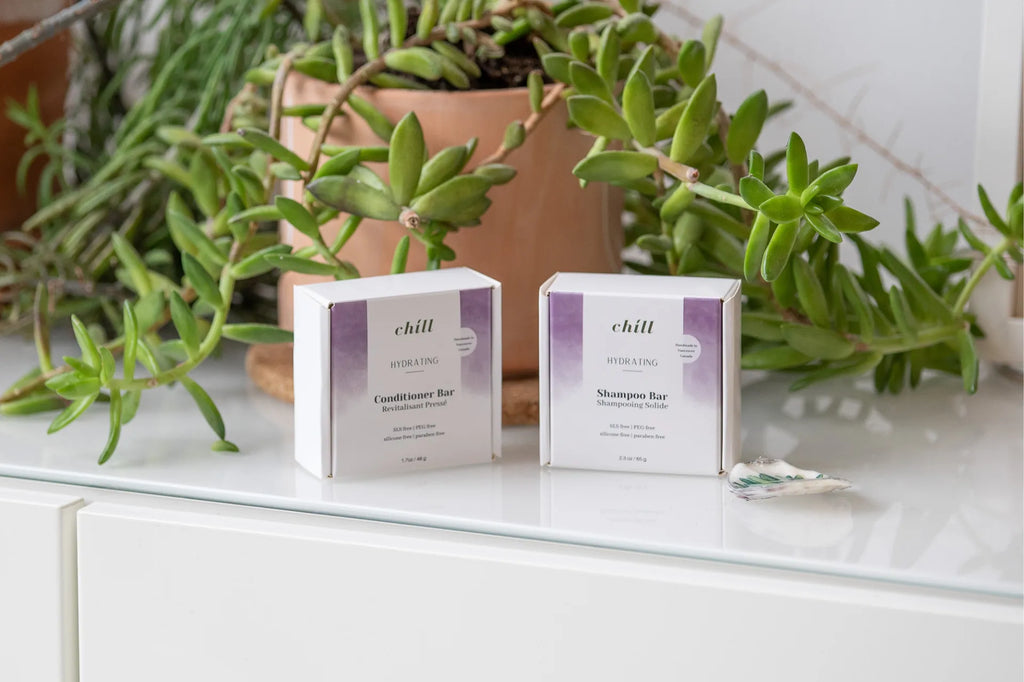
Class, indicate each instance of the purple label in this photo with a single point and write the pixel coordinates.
(475, 314)
(348, 352)
(702, 319)
(565, 315)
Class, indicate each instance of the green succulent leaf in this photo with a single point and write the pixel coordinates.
(398, 21)
(846, 219)
(754, 191)
(339, 164)
(755, 164)
(371, 28)
(695, 120)
(72, 385)
(637, 27)
(796, 164)
(607, 58)
(816, 342)
(858, 300)
(416, 61)
(902, 314)
(185, 323)
(446, 201)
(691, 62)
(90, 354)
(351, 196)
(71, 413)
(378, 122)
(429, 13)
(598, 117)
(266, 143)
(401, 256)
(583, 13)
(201, 281)
(746, 126)
(756, 245)
(678, 201)
(776, 255)
(115, 427)
(762, 326)
(258, 214)
(443, 166)
(496, 173)
(638, 108)
(968, 360)
(535, 85)
(831, 182)
(256, 264)
(556, 65)
(810, 293)
(588, 82)
(205, 404)
(257, 333)
(408, 150)
(301, 265)
(342, 50)
(823, 226)
(709, 37)
(579, 44)
(222, 445)
(457, 57)
(655, 243)
(991, 213)
(783, 208)
(616, 166)
(133, 263)
(296, 214)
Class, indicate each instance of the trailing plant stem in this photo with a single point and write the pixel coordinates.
(925, 338)
(715, 194)
(209, 343)
(986, 264)
(550, 99)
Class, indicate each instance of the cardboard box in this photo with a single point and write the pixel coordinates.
(640, 373)
(397, 373)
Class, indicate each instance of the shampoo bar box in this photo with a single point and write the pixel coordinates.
(397, 373)
(639, 373)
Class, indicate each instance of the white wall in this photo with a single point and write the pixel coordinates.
(905, 71)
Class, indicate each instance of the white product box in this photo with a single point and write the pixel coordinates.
(640, 373)
(397, 373)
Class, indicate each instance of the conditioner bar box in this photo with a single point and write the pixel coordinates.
(639, 373)
(397, 373)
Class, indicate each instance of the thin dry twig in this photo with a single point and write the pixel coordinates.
(47, 28)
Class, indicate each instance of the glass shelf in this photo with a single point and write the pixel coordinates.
(937, 497)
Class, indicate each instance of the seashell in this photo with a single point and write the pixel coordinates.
(765, 478)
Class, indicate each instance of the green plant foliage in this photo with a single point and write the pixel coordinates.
(165, 263)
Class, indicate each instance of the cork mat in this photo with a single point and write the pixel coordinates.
(270, 368)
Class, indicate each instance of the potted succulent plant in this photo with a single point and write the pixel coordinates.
(700, 198)
(470, 90)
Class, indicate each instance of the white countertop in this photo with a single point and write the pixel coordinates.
(937, 496)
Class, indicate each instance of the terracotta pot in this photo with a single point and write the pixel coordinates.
(539, 223)
(46, 68)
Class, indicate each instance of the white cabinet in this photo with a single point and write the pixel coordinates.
(203, 591)
(38, 622)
